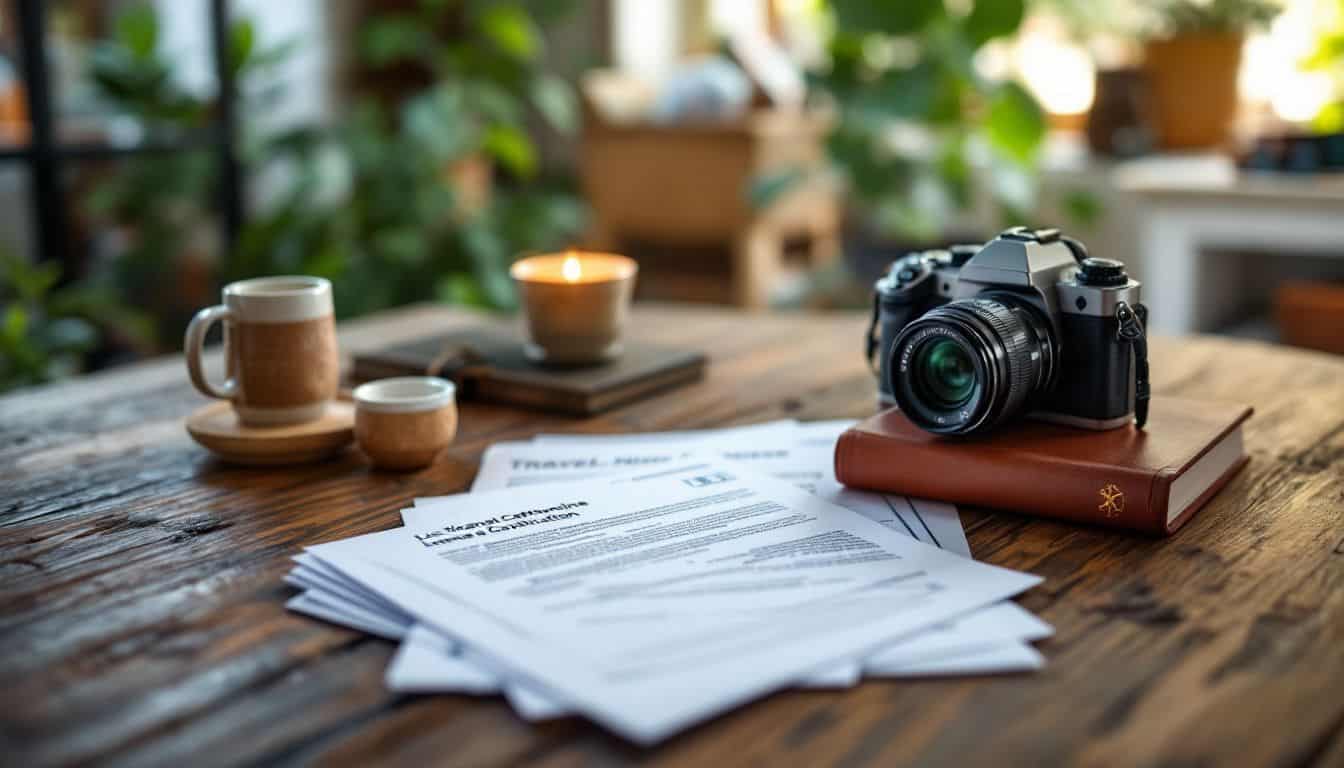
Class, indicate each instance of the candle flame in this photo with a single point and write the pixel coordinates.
(571, 270)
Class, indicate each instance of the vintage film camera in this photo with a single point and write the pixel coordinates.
(973, 336)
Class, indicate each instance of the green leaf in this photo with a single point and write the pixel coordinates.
(900, 93)
(895, 216)
(845, 50)
(989, 19)
(487, 252)
(437, 122)
(460, 288)
(512, 148)
(401, 247)
(242, 39)
(555, 101)
(512, 31)
(1082, 207)
(137, 28)
(492, 101)
(954, 170)
(1014, 124)
(1330, 119)
(392, 37)
(16, 322)
(892, 17)
(1328, 50)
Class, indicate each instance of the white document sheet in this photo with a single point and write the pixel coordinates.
(308, 563)
(311, 604)
(449, 672)
(653, 603)
(428, 663)
(994, 660)
(996, 632)
(802, 456)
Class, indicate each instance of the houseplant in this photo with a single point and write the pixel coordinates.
(1192, 57)
(391, 201)
(414, 213)
(154, 212)
(912, 110)
(48, 330)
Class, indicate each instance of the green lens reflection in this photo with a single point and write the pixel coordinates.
(945, 374)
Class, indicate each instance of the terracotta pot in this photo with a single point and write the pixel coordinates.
(1194, 88)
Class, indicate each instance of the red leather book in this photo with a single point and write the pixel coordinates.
(1151, 480)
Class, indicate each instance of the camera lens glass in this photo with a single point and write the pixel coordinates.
(970, 364)
(944, 373)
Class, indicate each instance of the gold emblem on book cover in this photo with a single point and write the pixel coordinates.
(1112, 500)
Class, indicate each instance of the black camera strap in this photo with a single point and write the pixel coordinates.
(1131, 332)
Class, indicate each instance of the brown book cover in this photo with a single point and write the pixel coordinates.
(489, 365)
(1151, 480)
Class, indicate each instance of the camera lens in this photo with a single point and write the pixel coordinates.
(944, 373)
(970, 364)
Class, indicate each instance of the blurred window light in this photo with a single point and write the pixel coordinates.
(645, 37)
(732, 17)
(1272, 71)
(1057, 71)
(1060, 75)
(1301, 96)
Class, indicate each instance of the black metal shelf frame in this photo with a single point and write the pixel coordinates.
(46, 157)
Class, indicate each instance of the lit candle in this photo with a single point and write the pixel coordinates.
(574, 305)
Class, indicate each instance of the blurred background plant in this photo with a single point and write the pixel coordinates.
(1327, 60)
(155, 213)
(399, 202)
(396, 202)
(1173, 18)
(46, 331)
(409, 149)
(913, 112)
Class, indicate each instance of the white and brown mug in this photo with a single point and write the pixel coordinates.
(280, 349)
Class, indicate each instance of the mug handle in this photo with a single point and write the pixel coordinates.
(195, 341)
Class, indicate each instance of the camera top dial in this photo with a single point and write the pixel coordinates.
(907, 279)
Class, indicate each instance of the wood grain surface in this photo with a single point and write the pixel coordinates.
(142, 618)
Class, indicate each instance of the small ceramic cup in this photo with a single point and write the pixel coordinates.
(405, 422)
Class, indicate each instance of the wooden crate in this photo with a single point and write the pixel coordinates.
(686, 184)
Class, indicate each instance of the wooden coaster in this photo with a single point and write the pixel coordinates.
(216, 427)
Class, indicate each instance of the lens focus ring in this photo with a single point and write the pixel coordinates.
(1013, 350)
(1017, 344)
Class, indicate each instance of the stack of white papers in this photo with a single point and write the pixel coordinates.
(651, 581)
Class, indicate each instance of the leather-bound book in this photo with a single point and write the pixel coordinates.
(487, 363)
(1151, 480)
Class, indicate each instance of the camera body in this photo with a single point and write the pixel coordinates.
(972, 337)
(911, 286)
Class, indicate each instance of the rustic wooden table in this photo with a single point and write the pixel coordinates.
(142, 618)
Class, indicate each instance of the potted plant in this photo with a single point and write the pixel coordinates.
(1192, 59)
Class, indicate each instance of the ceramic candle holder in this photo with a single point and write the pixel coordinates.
(575, 305)
(404, 423)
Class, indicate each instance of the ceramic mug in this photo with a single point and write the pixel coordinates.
(404, 423)
(279, 346)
